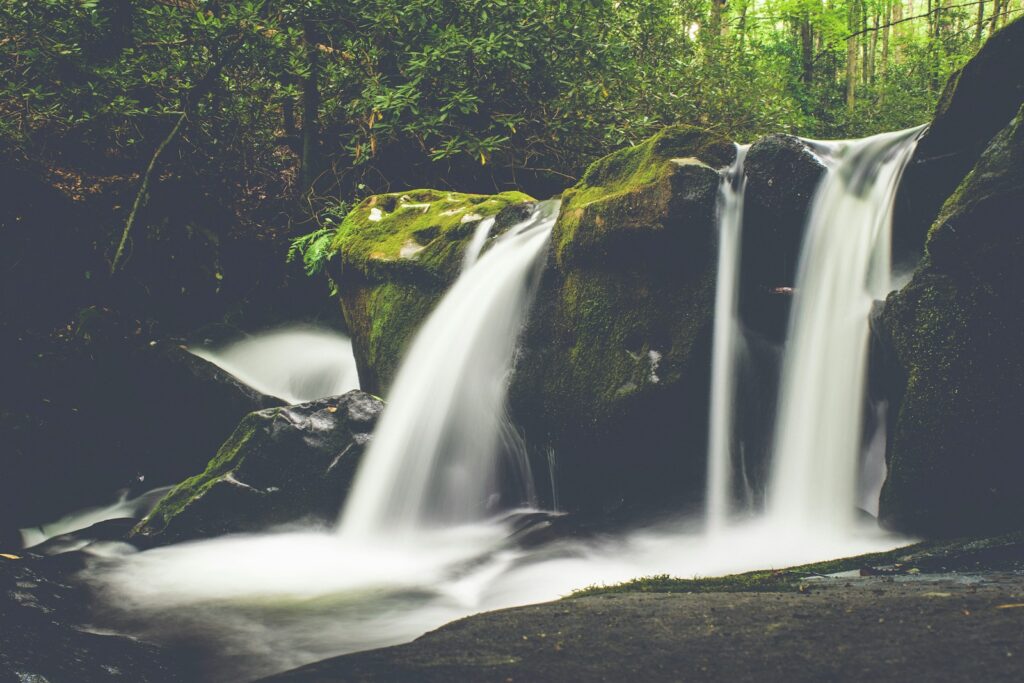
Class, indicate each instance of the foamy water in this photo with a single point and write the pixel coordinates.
(270, 602)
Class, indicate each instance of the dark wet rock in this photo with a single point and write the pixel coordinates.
(954, 336)
(44, 633)
(102, 406)
(281, 465)
(613, 374)
(977, 102)
(397, 253)
(782, 176)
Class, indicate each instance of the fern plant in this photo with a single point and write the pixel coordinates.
(315, 248)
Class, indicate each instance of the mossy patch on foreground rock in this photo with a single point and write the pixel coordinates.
(280, 465)
(962, 554)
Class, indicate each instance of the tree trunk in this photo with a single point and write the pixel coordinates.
(885, 39)
(743, 25)
(715, 24)
(806, 49)
(873, 52)
(864, 42)
(851, 55)
(980, 26)
(310, 164)
(118, 16)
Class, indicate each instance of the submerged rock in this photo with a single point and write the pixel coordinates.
(954, 336)
(397, 253)
(613, 374)
(280, 465)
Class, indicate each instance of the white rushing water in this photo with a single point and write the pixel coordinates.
(725, 347)
(477, 242)
(845, 265)
(438, 453)
(297, 363)
(265, 603)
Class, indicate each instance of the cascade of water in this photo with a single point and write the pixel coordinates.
(477, 242)
(436, 456)
(296, 364)
(725, 346)
(844, 266)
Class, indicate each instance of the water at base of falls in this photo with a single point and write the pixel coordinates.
(258, 604)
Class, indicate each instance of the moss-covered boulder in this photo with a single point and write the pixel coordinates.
(956, 340)
(976, 103)
(397, 253)
(280, 465)
(612, 377)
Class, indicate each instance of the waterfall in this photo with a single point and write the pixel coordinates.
(726, 343)
(298, 363)
(477, 242)
(844, 266)
(438, 454)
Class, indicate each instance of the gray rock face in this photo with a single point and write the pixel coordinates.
(280, 465)
(956, 378)
(782, 175)
(977, 103)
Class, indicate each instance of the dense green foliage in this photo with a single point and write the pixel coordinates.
(320, 101)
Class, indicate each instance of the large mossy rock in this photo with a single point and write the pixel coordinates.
(956, 339)
(613, 373)
(280, 465)
(397, 253)
(976, 103)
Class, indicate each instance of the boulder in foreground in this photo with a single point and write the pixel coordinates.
(281, 465)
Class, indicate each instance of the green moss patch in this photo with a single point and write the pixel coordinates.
(963, 554)
(421, 227)
(226, 461)
(629, 190)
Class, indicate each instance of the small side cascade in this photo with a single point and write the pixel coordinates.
(477, 242)
(844, 266)
(725, 347)
(444, 442)
(298, 363)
